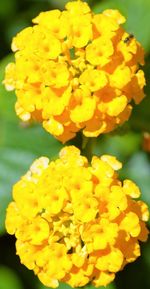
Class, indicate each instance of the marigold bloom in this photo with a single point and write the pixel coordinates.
(75, 70)
(76, 222)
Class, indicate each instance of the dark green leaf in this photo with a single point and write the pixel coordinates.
(7, 8)
(9, 279)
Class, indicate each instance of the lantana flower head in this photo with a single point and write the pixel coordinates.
(76, 222)
(75, 70)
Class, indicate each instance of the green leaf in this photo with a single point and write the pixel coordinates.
(137, 14)
(121, 146)
(9, 279)
(7, 8)
(19, 145)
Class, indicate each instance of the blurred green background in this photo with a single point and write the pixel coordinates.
(18, 147)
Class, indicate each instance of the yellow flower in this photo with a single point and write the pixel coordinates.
(94, 79)
(103, 278)
(75, 70)
(112, 262)
(114, 107)
(99, 51)
(83, 111)
(131, 224)
(121, 77)
(76, 222)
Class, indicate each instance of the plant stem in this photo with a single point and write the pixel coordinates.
(88, 146)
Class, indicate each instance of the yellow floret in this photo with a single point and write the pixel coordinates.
(131, 189)
(83, 111)
(76, 71)
(75, 221)
(94, 79)
(99, 51)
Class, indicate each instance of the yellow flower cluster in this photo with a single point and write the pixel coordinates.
(75, 70)
(76, 222)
